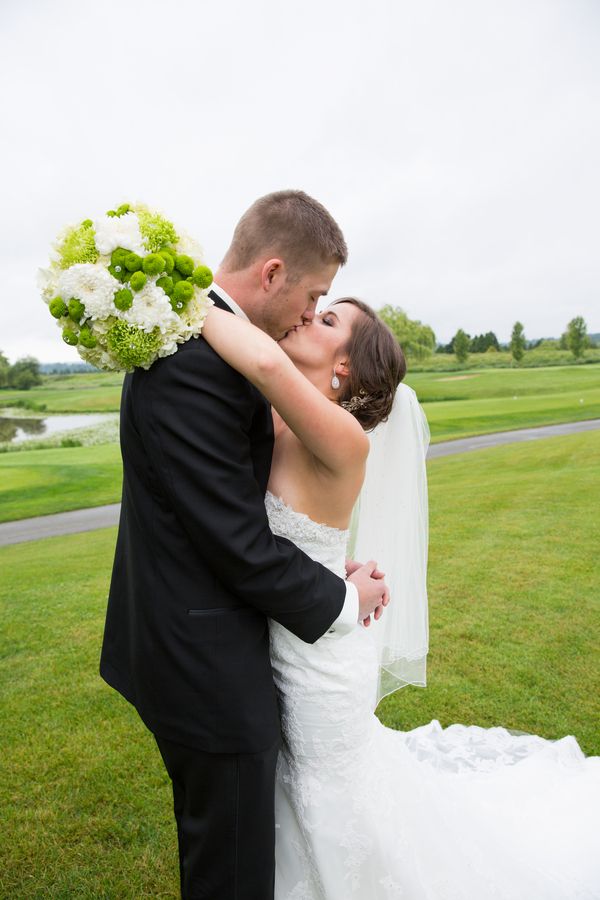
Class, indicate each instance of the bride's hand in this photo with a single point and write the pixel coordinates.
(352, 566)
(372, 591)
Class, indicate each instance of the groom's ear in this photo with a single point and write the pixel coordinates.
(272, 274)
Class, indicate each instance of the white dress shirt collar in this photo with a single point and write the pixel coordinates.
(235, 307)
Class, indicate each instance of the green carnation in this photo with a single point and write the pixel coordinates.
(87, 223)
(70, 337)
(137, 281)
(123, 208)
(123, 299)
(86, 338)
(78, 246)
(166, 284)
(133, 262)
(76, 309)
(169, 259)
(202, 277)
(184, 264)
(57, 307)
(176, 276)
(153, 264)
(156, 230)
(111, 213)
(131, 346)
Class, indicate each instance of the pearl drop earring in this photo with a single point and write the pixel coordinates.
(335, 382)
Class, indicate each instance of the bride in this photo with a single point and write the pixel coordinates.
(462, 813)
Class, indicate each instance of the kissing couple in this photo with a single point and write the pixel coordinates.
(255, 651)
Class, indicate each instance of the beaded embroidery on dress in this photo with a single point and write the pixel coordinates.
(364, 812)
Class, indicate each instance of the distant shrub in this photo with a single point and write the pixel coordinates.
(70, 442)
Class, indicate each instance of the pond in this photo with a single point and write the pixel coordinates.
(16, 429)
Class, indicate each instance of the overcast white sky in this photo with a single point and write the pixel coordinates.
(457, 143)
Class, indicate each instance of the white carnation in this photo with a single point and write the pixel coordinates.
(189, 246)
(91, 284)
(46, 282)
(151, 309)
(119, 231)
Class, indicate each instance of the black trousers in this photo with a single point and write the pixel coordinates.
(224, 808)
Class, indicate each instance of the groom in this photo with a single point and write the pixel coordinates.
(197, 570)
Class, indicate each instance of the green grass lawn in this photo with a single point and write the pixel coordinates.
(514, 591)
(37, 482)
(491, 384)
(40, 482)
(89, 392)
(85, 805)
(501, 400)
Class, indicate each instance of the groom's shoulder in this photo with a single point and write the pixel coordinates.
(195, 362)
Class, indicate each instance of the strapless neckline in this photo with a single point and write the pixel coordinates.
(280, 502)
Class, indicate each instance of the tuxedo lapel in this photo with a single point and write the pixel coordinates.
(218, 301)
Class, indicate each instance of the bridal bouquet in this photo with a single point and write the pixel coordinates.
(126, 288)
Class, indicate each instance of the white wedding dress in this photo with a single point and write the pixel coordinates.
(366, 812)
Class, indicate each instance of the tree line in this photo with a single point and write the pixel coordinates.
(418, 340)
(22, 375)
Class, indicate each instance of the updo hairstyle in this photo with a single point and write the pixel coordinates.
(377, 366)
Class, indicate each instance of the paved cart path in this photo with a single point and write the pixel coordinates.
(79, 520)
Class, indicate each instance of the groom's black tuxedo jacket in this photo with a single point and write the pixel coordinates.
(197, 569)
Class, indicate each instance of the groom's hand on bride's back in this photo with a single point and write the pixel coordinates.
(373, 592)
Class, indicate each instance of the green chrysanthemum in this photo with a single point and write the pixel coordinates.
(57, 307)
(153, 264)
(169, 259)
(166, 283)
(182, 294)
(156, 230)
(202, 277)
(120, 273)
(86, 338)
(131, 346)
(70, 337)
(78, 246)
(123, 299)
(76, 309)
(184, 264)
(137, 281)
(118, 256)
(133, 262)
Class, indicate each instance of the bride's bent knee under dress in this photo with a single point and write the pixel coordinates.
(462, 813)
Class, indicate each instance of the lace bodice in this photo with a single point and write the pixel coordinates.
(322, 543)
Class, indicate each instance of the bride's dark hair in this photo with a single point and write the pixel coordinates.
(377, 366)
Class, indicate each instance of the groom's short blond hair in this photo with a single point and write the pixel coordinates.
(289, 225)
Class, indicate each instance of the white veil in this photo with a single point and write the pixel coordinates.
(390, 524)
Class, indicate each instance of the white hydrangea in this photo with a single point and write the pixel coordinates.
(151, 309)
(119, 231)
(91, 284)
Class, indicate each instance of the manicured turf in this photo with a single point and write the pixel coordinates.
(514, 611)
(493, 384)
(461, 405)
(91, 392)
(514, 591)
(39, 482)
